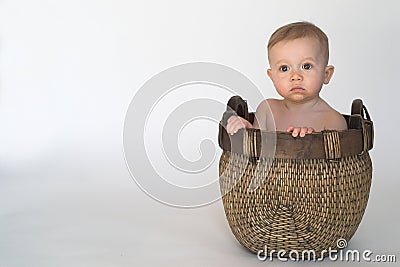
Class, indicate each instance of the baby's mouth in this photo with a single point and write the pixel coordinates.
(297, 89)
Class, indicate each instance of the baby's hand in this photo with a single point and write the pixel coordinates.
(235, 123)
(302, 130)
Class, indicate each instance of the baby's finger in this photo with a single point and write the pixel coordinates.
(230, 119)
(310, 130)
(289, 129)
(303, 131)
(230, 124)
(236, 125)
(241, 123)
(233, 128)
(295, 132)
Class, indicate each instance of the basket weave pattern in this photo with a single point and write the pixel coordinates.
(298, 205)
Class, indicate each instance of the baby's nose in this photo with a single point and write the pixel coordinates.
(296, 76)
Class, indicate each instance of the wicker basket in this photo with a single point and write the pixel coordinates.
(295, 194)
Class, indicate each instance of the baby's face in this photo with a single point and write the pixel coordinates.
(298, 69)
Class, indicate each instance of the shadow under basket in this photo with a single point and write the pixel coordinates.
(295, 194)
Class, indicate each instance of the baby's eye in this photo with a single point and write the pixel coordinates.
(284, 68)
(307, 66)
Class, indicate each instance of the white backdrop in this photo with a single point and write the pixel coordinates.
(68, 72)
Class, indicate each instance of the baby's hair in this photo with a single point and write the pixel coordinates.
(298, 30)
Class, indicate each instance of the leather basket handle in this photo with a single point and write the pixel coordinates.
(237, 104)
(236, 107)
(360, 119)
(358, 108)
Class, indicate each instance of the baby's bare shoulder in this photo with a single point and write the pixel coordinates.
(274, 101)
(265, 103)
(271, 103)
(335, 120)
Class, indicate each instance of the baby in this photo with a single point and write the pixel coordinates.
(298, 55)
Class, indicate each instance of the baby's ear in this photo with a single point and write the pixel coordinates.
(328, 73)
(269, 73)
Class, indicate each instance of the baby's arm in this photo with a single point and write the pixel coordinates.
(235, 122)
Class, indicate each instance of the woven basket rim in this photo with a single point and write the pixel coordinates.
(328, 144)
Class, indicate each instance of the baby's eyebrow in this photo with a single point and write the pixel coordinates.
(285, 61)
(309, 59)
(281, 61)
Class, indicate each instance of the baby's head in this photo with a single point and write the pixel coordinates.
(298, 55)
(299, 30)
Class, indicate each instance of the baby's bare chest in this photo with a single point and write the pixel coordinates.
(315, 120)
